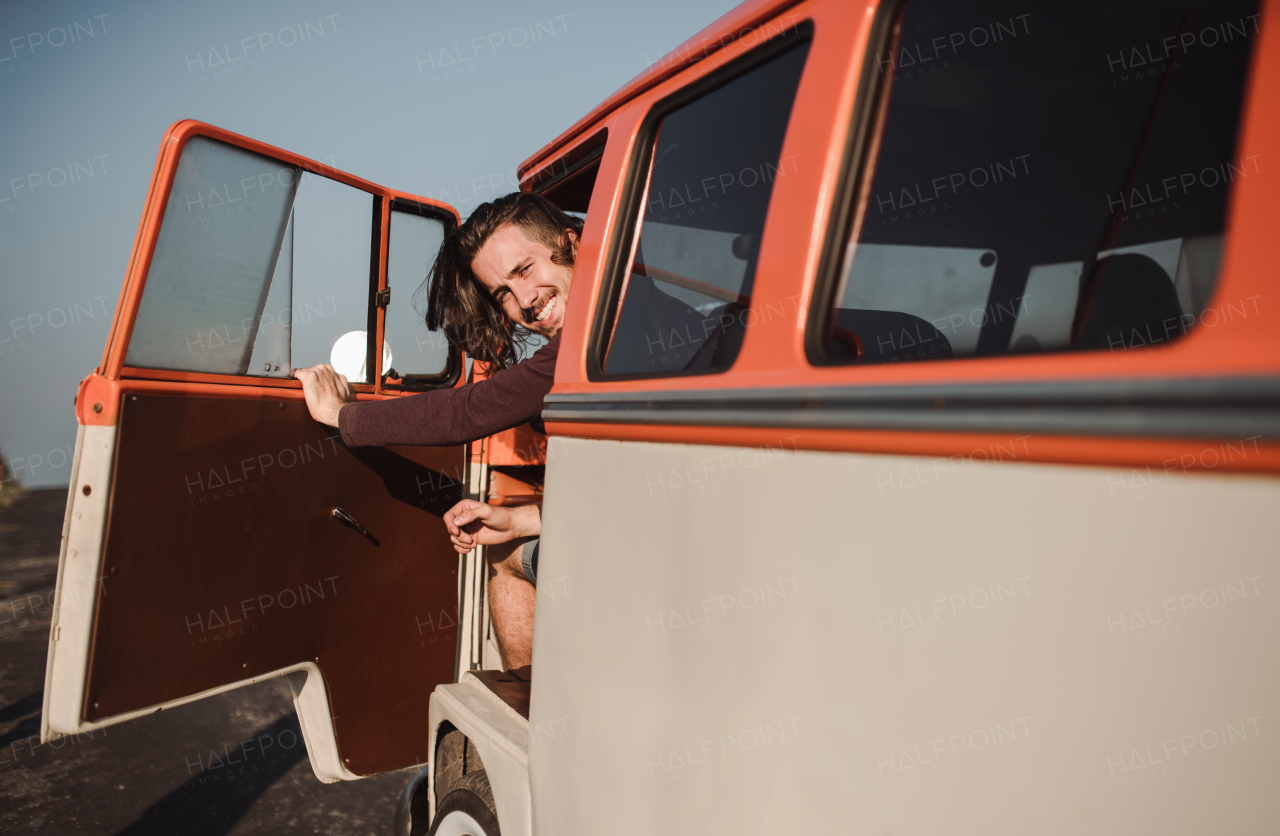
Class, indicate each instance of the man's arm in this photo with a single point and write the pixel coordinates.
(442, 417)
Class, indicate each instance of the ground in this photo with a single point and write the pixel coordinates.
(179, 772)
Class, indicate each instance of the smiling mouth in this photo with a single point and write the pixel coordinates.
(544, 313)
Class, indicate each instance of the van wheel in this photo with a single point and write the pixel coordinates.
(467, 810)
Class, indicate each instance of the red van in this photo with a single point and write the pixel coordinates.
(950, 511)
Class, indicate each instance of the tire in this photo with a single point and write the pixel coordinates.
(467, 810)
(464, 799)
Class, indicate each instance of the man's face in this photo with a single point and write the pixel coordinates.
(520, 275)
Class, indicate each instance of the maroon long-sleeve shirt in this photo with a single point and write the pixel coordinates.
(445, 417)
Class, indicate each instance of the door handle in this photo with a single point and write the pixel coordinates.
(351, 522)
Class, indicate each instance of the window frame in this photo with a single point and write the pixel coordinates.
(412, 383)
(851, 197)
(639, 167)
(112, 365)
(857, 169)
(582, 160)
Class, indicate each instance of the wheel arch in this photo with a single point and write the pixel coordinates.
(499, 738)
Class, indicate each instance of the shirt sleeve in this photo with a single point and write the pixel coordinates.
(446, 417)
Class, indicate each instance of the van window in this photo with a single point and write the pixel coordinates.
(258, 266)
(712, 162)
(411, 350)
(1044, 180)
(569, 180)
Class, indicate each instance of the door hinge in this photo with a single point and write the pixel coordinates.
(382, 298)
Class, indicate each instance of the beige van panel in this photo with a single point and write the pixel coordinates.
(736, 640)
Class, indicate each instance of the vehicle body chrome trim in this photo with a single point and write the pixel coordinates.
(1233, 407)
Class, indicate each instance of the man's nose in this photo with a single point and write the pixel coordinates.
(525, 295)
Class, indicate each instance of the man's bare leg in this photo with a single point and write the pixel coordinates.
(511, 600)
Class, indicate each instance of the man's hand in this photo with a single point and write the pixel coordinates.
(472, 524)
(325, 390)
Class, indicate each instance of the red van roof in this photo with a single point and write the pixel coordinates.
(743, 22)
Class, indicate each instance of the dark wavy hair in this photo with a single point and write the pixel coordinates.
(459, 304)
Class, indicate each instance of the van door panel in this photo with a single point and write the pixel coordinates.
(224, 561)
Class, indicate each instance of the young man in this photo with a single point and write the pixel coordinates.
(509, 267)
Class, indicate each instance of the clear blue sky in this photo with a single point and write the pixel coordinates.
(380, 89)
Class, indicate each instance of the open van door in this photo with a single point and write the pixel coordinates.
(215, 534)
